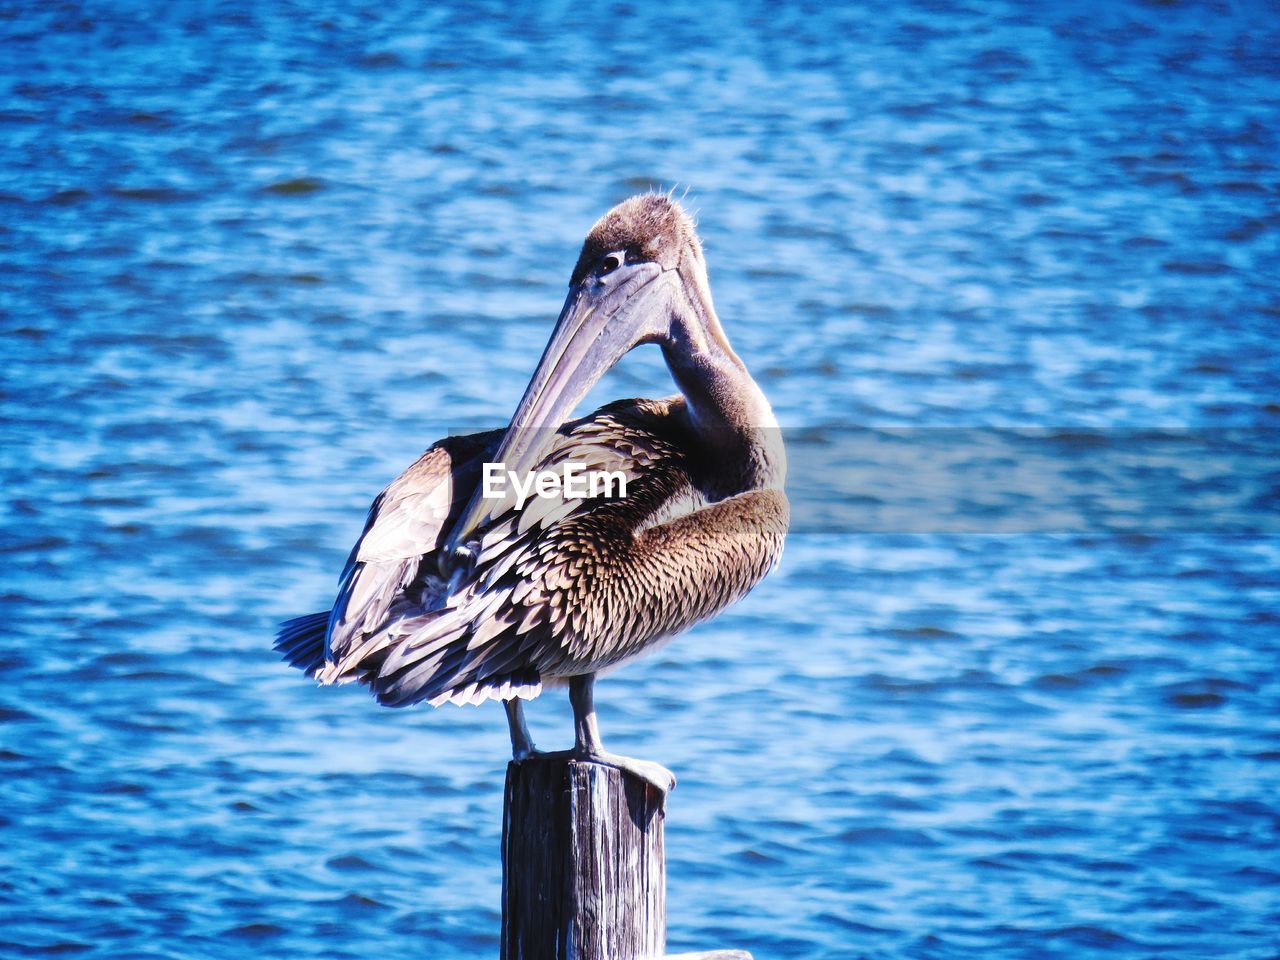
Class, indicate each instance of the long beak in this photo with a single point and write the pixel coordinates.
(596, 328)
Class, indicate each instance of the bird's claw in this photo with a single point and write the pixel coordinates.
(457, 564)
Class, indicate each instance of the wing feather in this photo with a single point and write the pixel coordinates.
(405, 526)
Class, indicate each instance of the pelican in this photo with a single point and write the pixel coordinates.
(453, 594)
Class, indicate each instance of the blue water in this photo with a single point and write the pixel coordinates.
(254, 262)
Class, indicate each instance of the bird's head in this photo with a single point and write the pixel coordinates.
(651, 228)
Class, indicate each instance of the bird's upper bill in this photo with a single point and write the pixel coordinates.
(639, 276)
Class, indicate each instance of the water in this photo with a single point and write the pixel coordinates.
(254, 262)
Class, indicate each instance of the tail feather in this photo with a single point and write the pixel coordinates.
(421, 658)
(301, 641)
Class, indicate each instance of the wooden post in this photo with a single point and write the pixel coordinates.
(584, 874)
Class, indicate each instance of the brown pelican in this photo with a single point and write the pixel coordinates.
(454, 596)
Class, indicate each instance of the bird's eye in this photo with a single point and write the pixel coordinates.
(610, 263)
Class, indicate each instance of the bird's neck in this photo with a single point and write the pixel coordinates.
(728, 412)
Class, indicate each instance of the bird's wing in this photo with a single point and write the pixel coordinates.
(405, 527)
(573, 586)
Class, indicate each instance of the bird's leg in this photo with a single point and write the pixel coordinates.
(586, 731)
(521, 743)
(586, 737)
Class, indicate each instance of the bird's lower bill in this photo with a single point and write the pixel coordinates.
(597, 326)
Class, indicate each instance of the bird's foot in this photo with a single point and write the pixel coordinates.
(655, 773)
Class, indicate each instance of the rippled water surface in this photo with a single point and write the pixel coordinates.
(254, 262)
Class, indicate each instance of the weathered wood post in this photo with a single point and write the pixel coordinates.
(584, 873)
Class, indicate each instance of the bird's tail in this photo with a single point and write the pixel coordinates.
(432, 657)
(301, 641)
